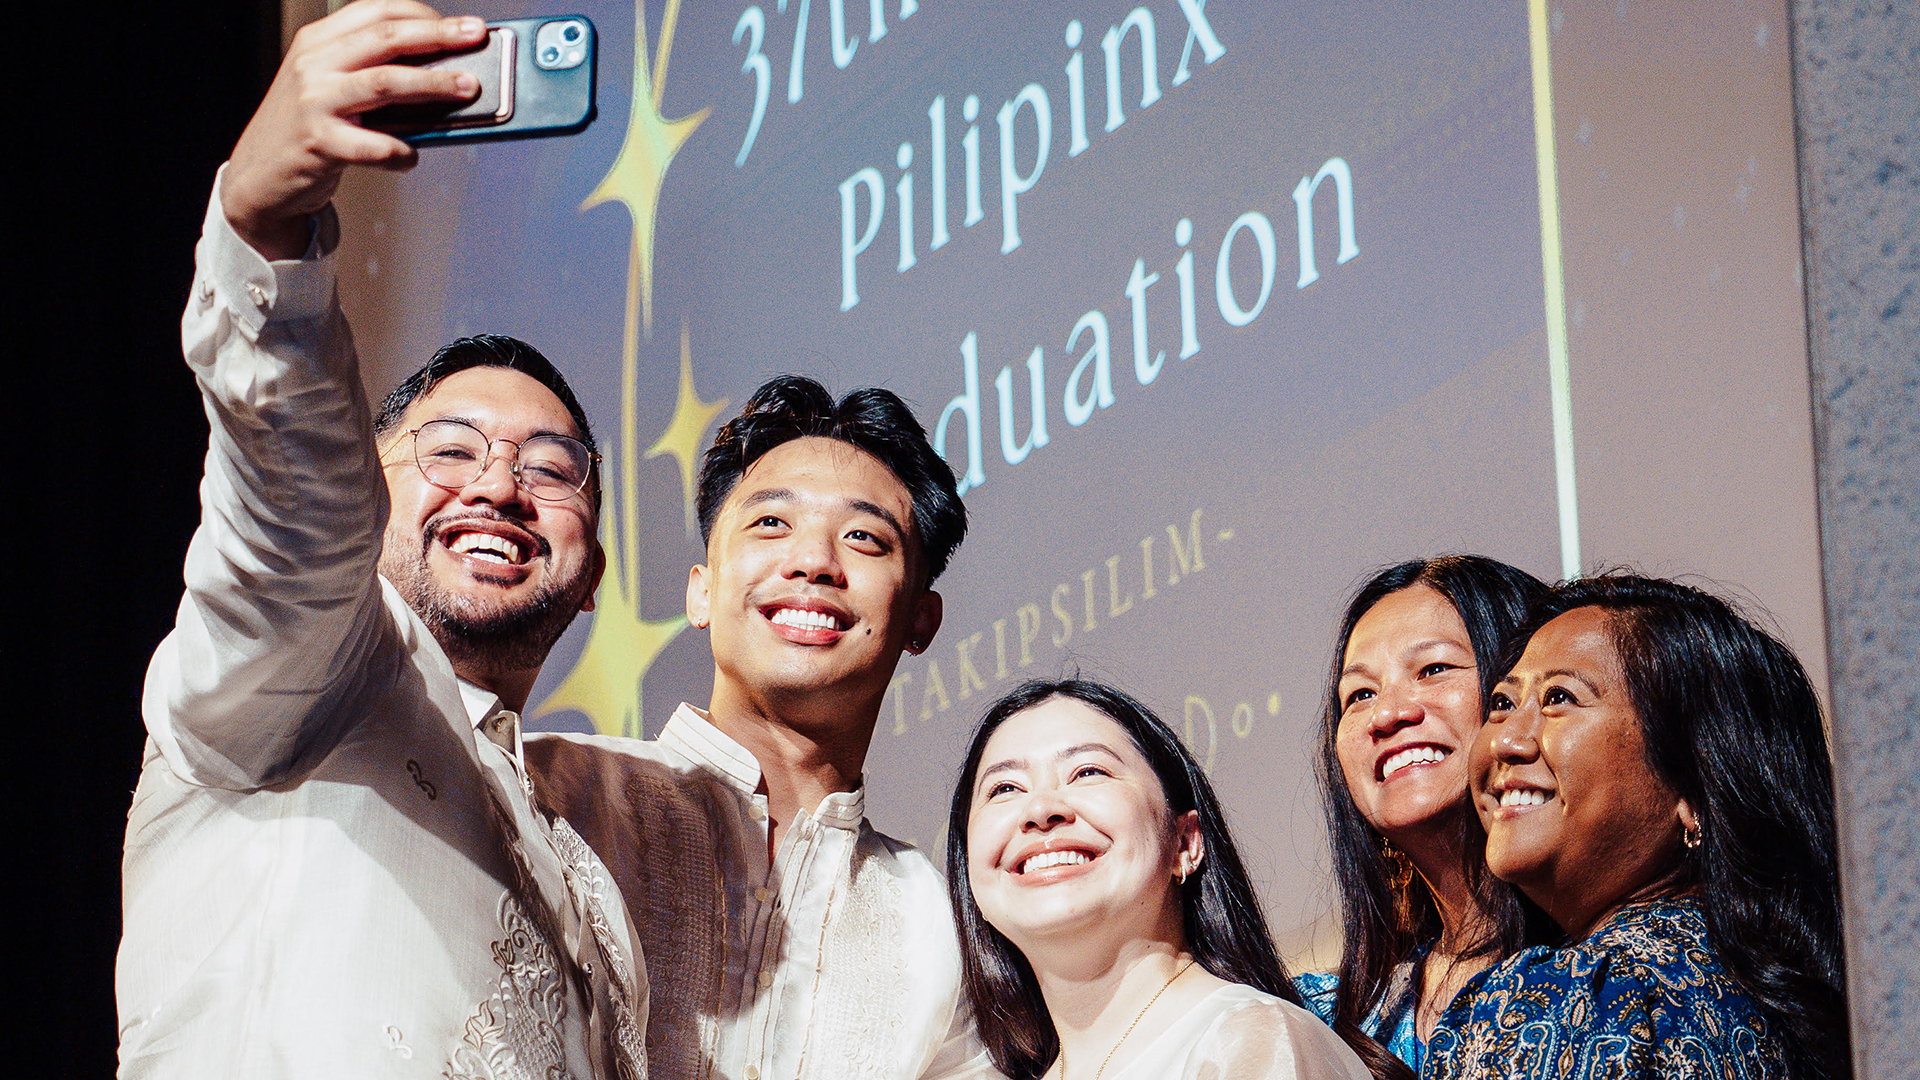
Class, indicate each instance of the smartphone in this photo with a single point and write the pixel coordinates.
(536, 79)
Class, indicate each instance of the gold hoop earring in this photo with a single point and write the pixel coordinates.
(1399, 867)
(1691, 838)
(1400, 882)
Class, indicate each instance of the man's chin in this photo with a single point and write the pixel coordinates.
(483, 629)
(811, 683)
(477, 617)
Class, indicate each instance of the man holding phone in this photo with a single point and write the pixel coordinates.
(334, 866)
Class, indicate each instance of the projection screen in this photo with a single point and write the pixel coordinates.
(1214, 307)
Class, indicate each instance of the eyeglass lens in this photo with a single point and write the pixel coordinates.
(453, 454)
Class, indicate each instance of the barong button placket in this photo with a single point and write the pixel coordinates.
(502, 729)
(499, 730)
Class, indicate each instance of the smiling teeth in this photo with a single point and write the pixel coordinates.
(805, 620)
(486, 546)
(1048, 859)
(1523, 797)
(1412, 755)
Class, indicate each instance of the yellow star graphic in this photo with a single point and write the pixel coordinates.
(687, 432)
(641, 166)
(606, 682)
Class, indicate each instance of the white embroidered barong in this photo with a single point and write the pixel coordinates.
(331, 870)
(837, 960)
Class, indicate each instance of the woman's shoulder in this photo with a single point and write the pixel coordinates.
(1655, 948)
(1233, 997)
(1655, 936)
(1643, 993)
(1247, 1034)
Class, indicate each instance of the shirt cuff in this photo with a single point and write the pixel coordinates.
(258, 291)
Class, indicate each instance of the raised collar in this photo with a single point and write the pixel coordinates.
(693, 735)
(481, 703)
(494, 721)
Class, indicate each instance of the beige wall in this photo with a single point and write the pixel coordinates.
(1687, 338)
(1860, 182)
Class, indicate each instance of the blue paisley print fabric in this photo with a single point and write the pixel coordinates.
(1644, 995)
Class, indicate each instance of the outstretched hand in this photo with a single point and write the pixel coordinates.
(307, 131)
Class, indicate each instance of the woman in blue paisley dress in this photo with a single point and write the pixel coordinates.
(1416, 654)
(1654, 775)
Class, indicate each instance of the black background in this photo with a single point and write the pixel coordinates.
(120, 115)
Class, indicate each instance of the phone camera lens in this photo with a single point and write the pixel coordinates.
(562, 44)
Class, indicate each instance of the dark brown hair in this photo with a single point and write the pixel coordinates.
(790, 407)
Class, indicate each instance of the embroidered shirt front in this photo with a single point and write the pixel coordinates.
(332, 867)
(837, 958)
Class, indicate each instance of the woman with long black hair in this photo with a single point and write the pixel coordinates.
(1654, 775)
(1417, 650)
(1108, 928)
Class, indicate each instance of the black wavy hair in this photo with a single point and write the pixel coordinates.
(789, 407)
(1491, 598)
(1225, 928)
(1732, 724)
(482, 350)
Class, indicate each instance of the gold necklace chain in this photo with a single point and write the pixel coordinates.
(1141, 1015)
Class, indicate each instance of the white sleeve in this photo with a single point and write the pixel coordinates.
(282, 615)
(1271, 1041)
(961, 1055)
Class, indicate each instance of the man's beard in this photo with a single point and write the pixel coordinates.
(482, 637)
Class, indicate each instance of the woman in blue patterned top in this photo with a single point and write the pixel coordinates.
(1416, 654)
(1654, 775)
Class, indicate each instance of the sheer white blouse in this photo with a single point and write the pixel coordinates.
(1240, 1033)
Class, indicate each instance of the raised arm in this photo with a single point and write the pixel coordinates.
(306, 132)
(283, 611)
